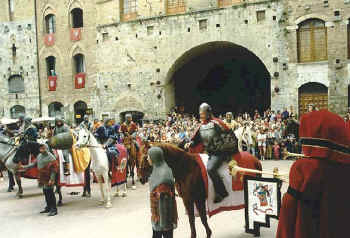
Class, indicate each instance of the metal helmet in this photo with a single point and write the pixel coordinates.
(28, 119)
(128, 115)
(205, 107)
(229, 114)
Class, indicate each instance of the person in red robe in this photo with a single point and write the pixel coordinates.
(316, 204)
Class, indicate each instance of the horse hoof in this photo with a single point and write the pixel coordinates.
(108, 205)
(101, 202)
(133, 187)
(19, 196)
(117, 194)
(60, 204)
(124, 194)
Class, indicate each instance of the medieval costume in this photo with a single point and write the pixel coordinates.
(129, 128)
(316, 204)
(29, 138)
(209, 135)
(48, 169)
(108, 137)
(60, 128)
(162, 196)
(230, 122)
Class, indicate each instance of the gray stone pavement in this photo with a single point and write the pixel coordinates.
(129, 217)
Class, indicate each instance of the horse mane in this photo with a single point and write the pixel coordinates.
(179, 160)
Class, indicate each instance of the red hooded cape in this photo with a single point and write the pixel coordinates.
(317, 202)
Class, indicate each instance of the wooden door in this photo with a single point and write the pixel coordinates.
(320, 100)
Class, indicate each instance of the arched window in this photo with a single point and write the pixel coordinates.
(50, 24)
(55, 109)
(51, 66)
(77, 18)
(16, 84)
(79, 63)
(312, 41)
(80, 108)
(17, 111)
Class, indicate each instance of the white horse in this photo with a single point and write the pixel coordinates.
(245, 137)
(99, 163)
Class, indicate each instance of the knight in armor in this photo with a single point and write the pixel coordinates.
(162, 195)
(86, 123)
(108, 137)
(208, 134)
(60, 128)
(29, 135)
(230, 122)
(129, 128)
(316, 204)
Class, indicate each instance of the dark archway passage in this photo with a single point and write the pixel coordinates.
(227, 76)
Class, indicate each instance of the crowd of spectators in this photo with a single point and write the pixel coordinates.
(267, 129)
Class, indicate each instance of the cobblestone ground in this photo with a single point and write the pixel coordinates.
(129, 217)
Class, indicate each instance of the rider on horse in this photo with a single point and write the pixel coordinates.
(209, 133)
(30, 136)
(129, 128)
(60, 128)
(108, 137)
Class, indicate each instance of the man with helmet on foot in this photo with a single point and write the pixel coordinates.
(209, 134)
(60, 128)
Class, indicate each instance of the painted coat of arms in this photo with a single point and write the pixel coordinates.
(262, 200)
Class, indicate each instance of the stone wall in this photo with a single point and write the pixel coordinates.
(335, 78)
(134, 56)
(22, 35)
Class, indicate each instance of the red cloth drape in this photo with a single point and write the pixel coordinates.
(75, 34)
(49, 39)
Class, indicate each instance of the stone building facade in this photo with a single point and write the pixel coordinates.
(19, 87)
(67, 47)
(136, 53)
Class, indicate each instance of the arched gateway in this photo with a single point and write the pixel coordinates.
(226, 75)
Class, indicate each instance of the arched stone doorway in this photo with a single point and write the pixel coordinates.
(136, 116)
(55, 109)
(312, 93)
(223, 74)
(79, 111)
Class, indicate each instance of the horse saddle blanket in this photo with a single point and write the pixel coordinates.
(234, 186)
(119, 172)
(32, 173)
(74, 179)
(81, 159)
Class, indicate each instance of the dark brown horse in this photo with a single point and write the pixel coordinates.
(132, 158)
(189, 181)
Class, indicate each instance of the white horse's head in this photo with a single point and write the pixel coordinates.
(84, 137)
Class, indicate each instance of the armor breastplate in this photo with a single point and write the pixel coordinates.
(208, 133)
